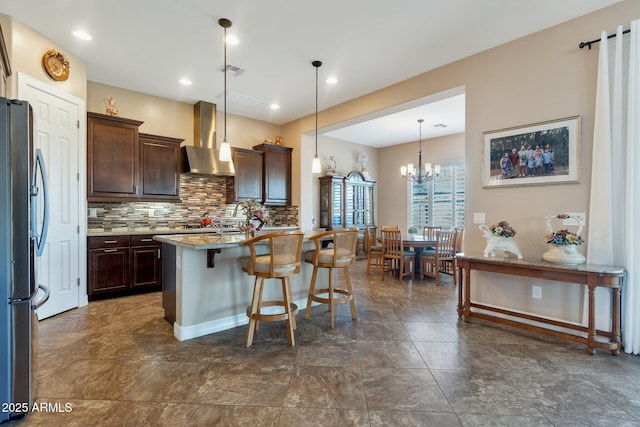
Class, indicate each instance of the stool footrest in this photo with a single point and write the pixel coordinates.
(348, 296)
(272, 317)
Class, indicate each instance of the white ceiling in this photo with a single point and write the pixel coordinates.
(148, 45)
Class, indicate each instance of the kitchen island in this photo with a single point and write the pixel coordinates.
(204, 288)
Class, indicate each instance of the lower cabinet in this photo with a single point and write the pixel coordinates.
(122, 265)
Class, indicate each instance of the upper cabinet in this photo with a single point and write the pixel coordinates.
(123, 165)
(247, 182)
(276, 174)
(159, 167)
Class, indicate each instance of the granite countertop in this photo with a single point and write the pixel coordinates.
(213, 240)
(170, 230)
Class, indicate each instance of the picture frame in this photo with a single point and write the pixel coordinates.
(551, 147)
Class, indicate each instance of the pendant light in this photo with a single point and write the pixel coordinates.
(420, 175)
(225, 148)
(315, 166)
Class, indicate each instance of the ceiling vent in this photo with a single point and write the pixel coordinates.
(242, 99)
(233, 69)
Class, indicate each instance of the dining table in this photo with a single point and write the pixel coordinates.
(419, 243)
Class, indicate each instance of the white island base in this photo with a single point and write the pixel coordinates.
(200, 300)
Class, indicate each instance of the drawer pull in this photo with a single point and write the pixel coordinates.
(146, 240)
(110, 250)
(110, 241)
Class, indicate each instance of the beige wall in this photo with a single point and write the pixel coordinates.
(540, 77)
(393, 190)
(26, 48)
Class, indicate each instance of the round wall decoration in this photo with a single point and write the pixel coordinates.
(56, 65)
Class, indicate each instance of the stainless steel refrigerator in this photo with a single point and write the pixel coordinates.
(23, 228)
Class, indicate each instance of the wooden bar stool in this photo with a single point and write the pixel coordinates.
(341, 255)
(282, 261)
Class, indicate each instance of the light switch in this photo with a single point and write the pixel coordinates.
(478, 218)
(93, 212)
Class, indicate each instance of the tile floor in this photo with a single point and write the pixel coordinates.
(407, 361)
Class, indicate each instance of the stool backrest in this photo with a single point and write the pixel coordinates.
(285, 250)
(345, 241)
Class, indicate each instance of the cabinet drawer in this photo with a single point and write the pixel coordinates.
(144, 240)
(97, 242)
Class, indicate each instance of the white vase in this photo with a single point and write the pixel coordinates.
(563, 254)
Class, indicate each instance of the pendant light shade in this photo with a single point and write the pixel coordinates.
(315, 166)
(225, 148)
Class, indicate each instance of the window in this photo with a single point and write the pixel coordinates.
(439, 202)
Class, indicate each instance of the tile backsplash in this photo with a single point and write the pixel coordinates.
(199, 194)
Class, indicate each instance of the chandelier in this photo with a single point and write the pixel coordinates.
(420, 175)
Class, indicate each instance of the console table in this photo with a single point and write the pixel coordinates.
(591, 275)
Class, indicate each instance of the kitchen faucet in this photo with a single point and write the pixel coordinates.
(235, 211)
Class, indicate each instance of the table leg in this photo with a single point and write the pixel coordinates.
(460, 306)
(467, 294)
(416, 263)
(615, 321)
(591, 332)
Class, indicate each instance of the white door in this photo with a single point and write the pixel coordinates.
(56, 132)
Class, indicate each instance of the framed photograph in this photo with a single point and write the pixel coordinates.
(535, 154)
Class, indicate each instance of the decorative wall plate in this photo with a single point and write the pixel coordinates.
(56, 65)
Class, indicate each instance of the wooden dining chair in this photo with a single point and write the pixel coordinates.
(375, 259)
(394, 255)
(429, 232)
(431, 261)
(450, 266)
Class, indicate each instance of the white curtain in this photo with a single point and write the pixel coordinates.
(614, 211)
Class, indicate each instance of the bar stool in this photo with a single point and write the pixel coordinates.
(282, 261)
(341, 255)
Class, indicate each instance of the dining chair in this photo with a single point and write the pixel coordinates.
(451, 266)
(341, 255)
(431, 261)
(394, 255)
(282, 261)
(430, 232)
(375, 259)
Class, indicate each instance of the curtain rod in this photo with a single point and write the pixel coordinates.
(583, 44)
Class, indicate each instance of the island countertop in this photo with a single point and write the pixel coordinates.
(212, 240)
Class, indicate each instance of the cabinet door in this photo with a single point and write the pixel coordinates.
(146, 266)
(159, 167)
(277, 174)
(247, 182)
(112, 157)
(108, 270)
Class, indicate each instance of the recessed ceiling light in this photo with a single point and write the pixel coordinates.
(332, 80)
(232, 40)
(274, 106)
(82, 35)
(185, 82)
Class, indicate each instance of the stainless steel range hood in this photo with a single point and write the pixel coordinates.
(203, 158)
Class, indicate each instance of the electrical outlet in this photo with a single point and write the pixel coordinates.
(93, 212)
(478, 218)
(571, 221)
(536, 292)
(152, 212)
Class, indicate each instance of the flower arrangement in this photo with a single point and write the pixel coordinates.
(253, 212)
(502, 229)
(412, 230)
(564, 237)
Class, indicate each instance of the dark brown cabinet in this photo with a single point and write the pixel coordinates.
(247, 182)
(276, 172)
(146, 262)
(160, 160)
(122, 265)
(125, 165)
(112, 157)
(108, 264)
(346, 201)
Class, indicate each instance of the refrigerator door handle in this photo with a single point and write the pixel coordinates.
(40, 238)
(44, 299)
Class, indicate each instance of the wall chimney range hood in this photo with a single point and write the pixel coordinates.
(202, 158)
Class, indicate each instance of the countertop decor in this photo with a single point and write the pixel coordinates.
(563, 244)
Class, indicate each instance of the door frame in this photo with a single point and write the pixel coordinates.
(25, 81)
